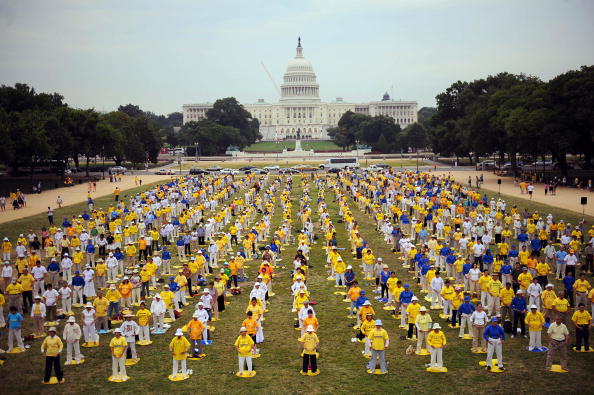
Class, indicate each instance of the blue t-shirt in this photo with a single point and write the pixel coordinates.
(14, 320)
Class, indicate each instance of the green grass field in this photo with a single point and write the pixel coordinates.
(341, 363)
(270, 146)
(320, 146)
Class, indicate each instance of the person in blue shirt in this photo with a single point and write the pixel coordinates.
(384, 276)
(15, 320)
(506, 271)
(78, 284)
(522, 238)
(180, 243)
(450, 260)
(465, 311)
(495, 336)
(90, 250)
(488, 260)
(560, 260)
(568, 282)
(535, 246)
(444, 252)
(405, 298)
(518, 306)
(350, 277)
(513, 254)
(361, 299)
(166, 261)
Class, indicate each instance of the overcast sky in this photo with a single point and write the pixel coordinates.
(162, 54)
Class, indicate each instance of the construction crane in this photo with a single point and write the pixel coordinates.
(270, 76)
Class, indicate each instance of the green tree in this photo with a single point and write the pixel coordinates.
(228, 112)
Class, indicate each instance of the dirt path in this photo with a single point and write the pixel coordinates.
(37, 203)
(567, 198)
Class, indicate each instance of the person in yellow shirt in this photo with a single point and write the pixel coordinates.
(561, 306)
(118, 346)
(365, 328)
(143, 315)
(412, 310)
(423, 324)
(483, 283)
(14, 290)
(583, 322)
(525, 278)
(353, 294)
(437, 342)
(547, 297)
(52, 347)
(535, 321)
(245, 347)
(195, 329)
(581, 288)
(379, 342)
(113, 296)
(506, 295)
(179, 347)
(310, 343)
(494, 289)
(101, 303)
(27, 282)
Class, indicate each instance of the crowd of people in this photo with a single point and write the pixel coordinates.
(486, 270)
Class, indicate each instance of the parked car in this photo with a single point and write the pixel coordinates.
(214, 168)
(257, 171)
(165, 172)
(488, 164)
(196, 171)
(288, 171)
(507, 166)
(117, 170)
(301, 168)
(246, 168)
(272, 168)
(229, 171)
(539, 165)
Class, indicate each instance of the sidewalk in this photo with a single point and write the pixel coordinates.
(37, 203)
(566, 198)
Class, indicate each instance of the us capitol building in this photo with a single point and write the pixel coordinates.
(300, 114)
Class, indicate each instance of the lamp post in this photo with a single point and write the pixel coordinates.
(357, 149)
(179, 160)
(196, 151)
(417, 159)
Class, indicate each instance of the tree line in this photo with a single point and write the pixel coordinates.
(226, 124)
(37, 129)
(507, 115)
(379, 132)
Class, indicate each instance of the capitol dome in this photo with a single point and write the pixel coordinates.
(299, 81)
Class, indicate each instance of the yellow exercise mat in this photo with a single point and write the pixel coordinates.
(423, 352)
(246, 374)
(16, 350)
(466, 337)
(118, 379)
(178, 377)
(309, 373)
(557, 369)
(583, 349)
(494, 366)
(54, 380)
(168, 320)
(51, 323)
(256, 356)
(144, 342)
(388, 308)
(90, 344)
(438, 370)
(131, 362)
(340, 293)
(74, 362)
(376, 371)
(480, 351)
(200, 356)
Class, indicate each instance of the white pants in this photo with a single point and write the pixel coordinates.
(436, 299)
(90, 333)
(436, 357)
(494, 345)
(38, 287)
(77, 295)
(536, 300)
(67, 305)
(112, 273)
(144, 333)
(403, 316)
(15, 334)
(535, 339)
(494, 305)
(67, 275)
(118, 366)
(464, 320)
(245, 361)
(158, 322)
(135, 295)
(73, 347)
(421, 340)
(447, 308)
(184, 370)
(132, 347)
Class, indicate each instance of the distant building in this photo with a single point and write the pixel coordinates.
(300, 114)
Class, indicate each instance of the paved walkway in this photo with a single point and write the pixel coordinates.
(567, 198)
(38, 203)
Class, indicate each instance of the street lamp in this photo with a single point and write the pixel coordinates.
(357, 149)
(179, 160)
(196, 151)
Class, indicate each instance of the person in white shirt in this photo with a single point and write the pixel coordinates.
(259, 293)
(206, 300)
(534, 292)
(436, 286)
(478, 249)
(112, 267)
(66, 265)
(89, 277)
(50, 297)
(7, 273)
(570, 262)
(203, 316)
(72, 334)
(66, 298)
(39, 272)
(478, 320)
(129, 330)
(158, 309)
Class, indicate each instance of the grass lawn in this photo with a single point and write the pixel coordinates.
(341, 363)
(270, 146)
(320, 146)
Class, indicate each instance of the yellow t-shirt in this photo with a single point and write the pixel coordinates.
(561, 305)
(412, 310)
(100, 305)
(309, 340)
(244, 344)
(378, 338)
(581, 317)
(143, 316)
(52, 346)
(118, 345)
(535, 321)
(179, 347)
(436, 340)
